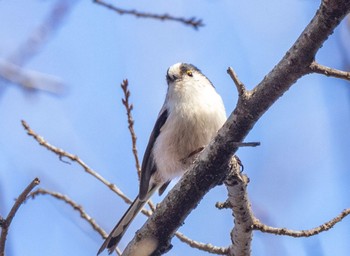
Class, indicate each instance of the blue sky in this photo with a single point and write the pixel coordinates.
(299, 175)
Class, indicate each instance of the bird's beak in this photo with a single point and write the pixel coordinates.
(170, 78)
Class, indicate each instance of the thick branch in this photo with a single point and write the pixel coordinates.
(212, 165)
(241, 235)
(7, 222)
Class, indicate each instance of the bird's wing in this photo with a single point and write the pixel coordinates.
(148, 165)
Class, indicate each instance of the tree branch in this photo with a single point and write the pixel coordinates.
(42, 34)
(242, 91)
(301, 233)
(61, 153)
(241, 234)
(129, 108)
(5, 224)
(212, 165)
(201, 246)
(75, 206)
(191, 21)
(320, 69)
(31, 80)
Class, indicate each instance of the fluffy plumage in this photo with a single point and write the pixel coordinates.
(191, 115)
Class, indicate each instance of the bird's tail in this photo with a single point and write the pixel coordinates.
(118, 231)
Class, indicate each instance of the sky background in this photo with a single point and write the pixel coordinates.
(299, 176)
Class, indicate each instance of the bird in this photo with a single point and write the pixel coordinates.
(190, 117)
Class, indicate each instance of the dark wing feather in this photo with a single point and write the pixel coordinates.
(148, 166)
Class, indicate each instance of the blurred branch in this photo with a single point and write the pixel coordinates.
(129, 108)
(300, 233)
(11, 70)
(191, 21)
(29, 79)
(5, 223)
(327, 71)
(40, 36)
(75, 206)
(61, 153)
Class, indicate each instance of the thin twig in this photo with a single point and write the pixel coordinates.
(301, 233)
(61, 153)
(242, 91)
(191, 21)
(129, 108)
(247, 144)
(75, 206)
(223, 205)
(7, 222)
(327, 71)
(202, 246)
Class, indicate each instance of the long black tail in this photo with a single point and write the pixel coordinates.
(118, 231)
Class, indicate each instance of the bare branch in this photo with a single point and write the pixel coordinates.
(320, 69)
(7, 222)
(191, 21)
(131, 122)
(29, 79)
(75, 206)
(241, 234)
(223, 205)
(301, 233)
(41, 35)
(11, 69)
(201, 246)
(129, 108)
(242, 91)
(61, 153)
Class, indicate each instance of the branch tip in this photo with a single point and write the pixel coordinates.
(327, 71)
(194, 22)
(242, 92)
(7, 222)
(257, 225)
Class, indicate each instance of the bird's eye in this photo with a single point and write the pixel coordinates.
(189, 73)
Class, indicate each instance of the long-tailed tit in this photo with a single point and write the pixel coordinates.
(191, 115)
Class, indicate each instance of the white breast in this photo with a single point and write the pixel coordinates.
(196, 113)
